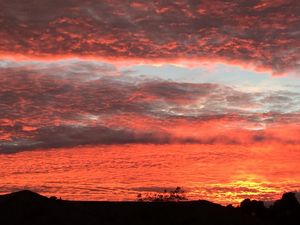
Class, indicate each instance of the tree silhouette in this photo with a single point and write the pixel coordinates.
(254, 208)
(286, 210)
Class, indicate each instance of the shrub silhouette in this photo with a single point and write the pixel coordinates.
(168, 196)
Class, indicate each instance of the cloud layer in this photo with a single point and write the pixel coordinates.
(71, 103)
(263, 33)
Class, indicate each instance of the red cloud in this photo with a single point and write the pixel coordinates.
(260, 33)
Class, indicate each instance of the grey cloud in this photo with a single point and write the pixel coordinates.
(67, 104)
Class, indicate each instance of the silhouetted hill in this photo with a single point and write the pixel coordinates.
(29, 208)
(26, 207)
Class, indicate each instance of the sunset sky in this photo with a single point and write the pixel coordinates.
(210, 87)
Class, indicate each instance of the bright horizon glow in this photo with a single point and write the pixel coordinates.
(207, 172)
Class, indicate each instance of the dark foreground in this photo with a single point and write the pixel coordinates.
(25, 207)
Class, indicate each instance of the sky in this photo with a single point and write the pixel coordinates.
(111, 73)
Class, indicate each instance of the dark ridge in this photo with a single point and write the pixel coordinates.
(29, 208)
(25, 195)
